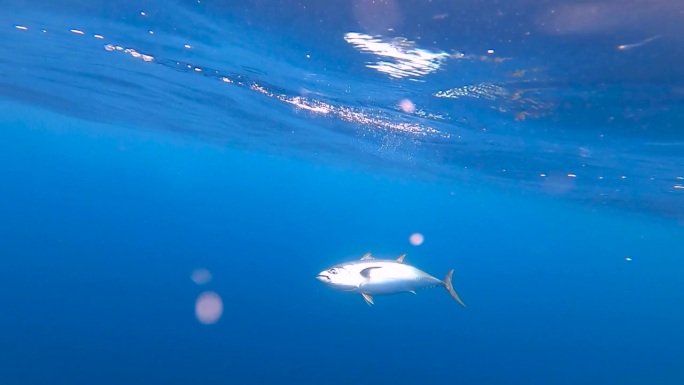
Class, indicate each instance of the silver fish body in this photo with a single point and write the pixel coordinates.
(370, 277)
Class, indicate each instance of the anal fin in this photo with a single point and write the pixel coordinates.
(368, 299)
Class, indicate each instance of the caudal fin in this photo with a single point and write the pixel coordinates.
(450, 288)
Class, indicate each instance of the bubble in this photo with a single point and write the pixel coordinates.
(208, 307)
(201, 276)
(416, 239)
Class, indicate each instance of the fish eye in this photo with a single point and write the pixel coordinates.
(332, 271)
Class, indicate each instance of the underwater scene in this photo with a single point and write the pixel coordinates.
(342, 192)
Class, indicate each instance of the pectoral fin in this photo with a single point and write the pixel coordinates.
(412, 292)
(368, 299)
(401, 258)
(365, 273)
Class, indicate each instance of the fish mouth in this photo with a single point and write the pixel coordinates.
(323, 278)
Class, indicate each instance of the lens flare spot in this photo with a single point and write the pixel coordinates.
(416, 239)
(201, 276)
(208, 308)
(407, 106)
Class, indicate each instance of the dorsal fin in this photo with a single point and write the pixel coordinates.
(366, 257)
(401, 258)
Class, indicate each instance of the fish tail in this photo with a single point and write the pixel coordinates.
(450, 288)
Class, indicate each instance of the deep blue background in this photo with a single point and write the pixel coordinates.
(119, 178)
(100, 233)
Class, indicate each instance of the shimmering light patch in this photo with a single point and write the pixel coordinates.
(299, 102)
(628, 259)
(188, 46)
(348, 114)
(416, 239)
(430, 115)
(520, 103)
(208, 308)
(404, 58)
(21, 27)
(201, 276)
(130, 51)
(482, 90)
(98, 36)
(77, 31)
(262, 90)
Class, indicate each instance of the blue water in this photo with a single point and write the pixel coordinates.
(153, 152)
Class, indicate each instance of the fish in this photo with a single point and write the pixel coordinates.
(370, 277)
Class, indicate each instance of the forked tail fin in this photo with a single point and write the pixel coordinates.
(450, 287)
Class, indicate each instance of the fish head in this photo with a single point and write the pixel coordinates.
(339, 278)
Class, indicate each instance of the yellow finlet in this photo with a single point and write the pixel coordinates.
(368, 299)
(401, 258)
